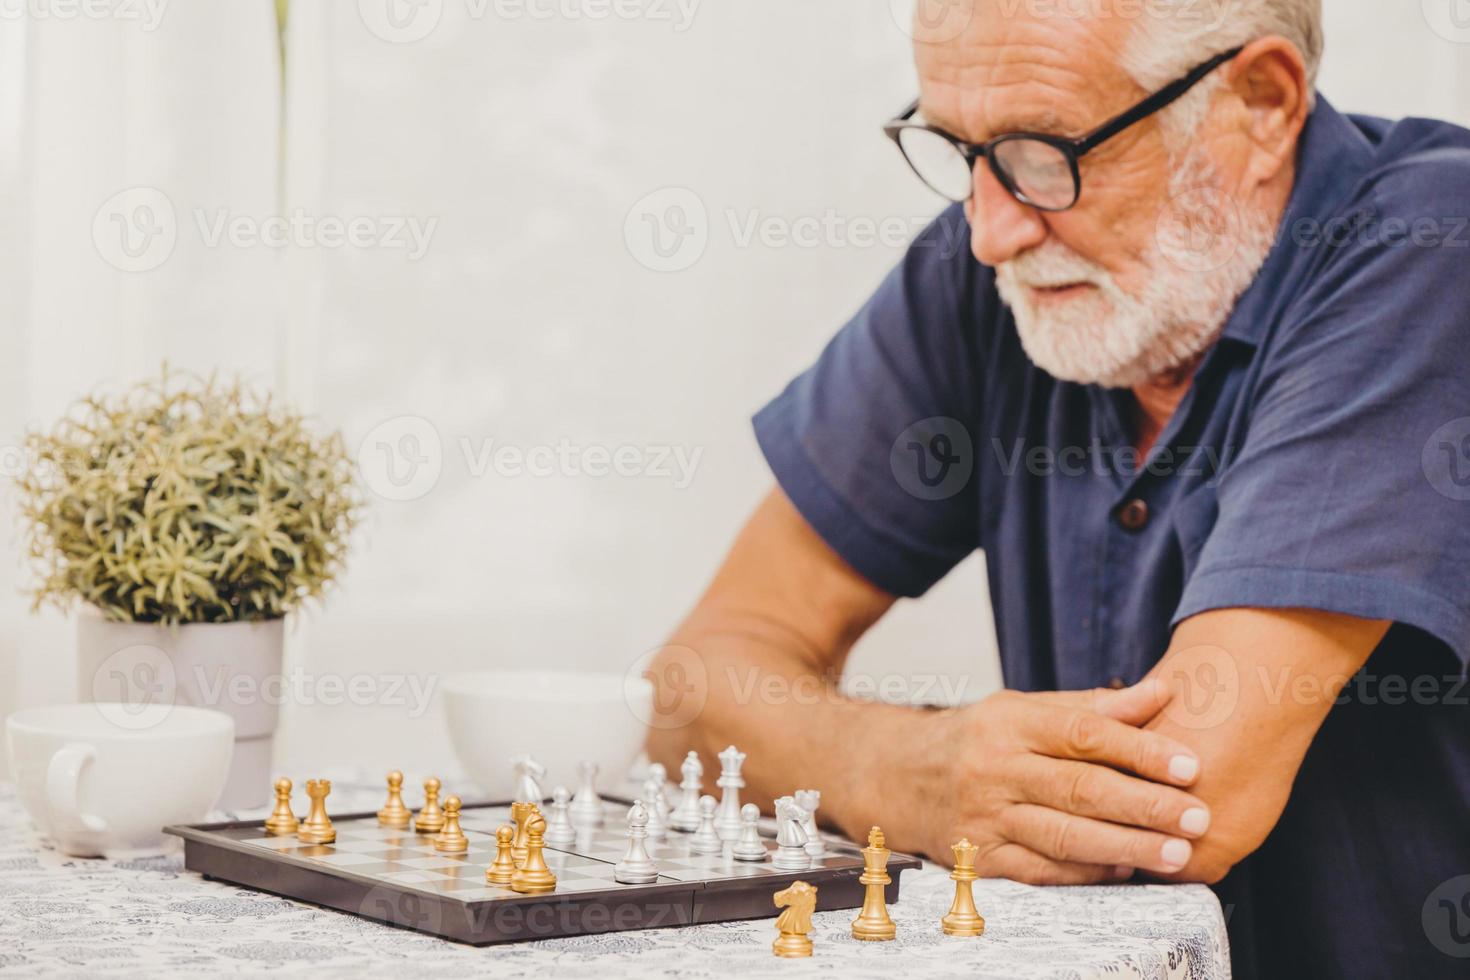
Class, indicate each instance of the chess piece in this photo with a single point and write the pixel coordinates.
(430, 819)
(529, 774)
(727, 824)
(282, 822)
(450, 839)
(749, 847)
(791, 852)
(658, 827)
(559, 829)
(394, 813)
(534, 877)
(636, 867)
(873, 923)
(520, 813)
(685, 816)
(587, 805)
(317, 828)
(795, 921)
(504, 866)
(706, 839)
(963, 918)
(809, 800)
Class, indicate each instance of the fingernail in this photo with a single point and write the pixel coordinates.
(1184, 767)
(1196, 820)
(1175, 854)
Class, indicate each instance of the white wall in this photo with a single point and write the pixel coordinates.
(529, 320)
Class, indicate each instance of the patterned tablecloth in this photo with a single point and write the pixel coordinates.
(62, 916)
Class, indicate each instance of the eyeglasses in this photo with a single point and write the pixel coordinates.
(1038, 169)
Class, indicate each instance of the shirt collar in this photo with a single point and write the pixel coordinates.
(1332, 156)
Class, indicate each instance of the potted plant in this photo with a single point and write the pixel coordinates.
(188, 518)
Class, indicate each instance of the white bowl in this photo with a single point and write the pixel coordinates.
(559, 718)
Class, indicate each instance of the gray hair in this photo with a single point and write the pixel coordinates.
(1172, 36)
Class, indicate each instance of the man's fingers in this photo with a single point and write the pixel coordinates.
(1019, 863)
(1089, 790)
(1074, 733)
(1136, 705)
(1080, 840)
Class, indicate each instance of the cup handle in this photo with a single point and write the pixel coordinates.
(63, 777)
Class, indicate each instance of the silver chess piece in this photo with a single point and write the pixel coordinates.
(685, 816)
(791, 852)
(809, 800)
(706, 839)
(559, 829)
(636, 867)
(586, 809)
(658, 809)
(529, 774)
(749, 847)
(727, 824)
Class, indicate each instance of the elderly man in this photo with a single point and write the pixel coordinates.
(1198, 393)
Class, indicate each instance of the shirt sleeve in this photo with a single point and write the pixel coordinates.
(875, 443)
(1351, 490)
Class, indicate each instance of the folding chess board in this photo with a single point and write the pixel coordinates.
(396, 876)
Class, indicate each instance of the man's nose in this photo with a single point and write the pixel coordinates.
(1001, 227)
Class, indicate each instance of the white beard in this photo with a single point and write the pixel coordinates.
(1110, 338)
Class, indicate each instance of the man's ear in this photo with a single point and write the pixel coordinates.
(1270, 78)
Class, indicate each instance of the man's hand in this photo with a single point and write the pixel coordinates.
(1054, 788)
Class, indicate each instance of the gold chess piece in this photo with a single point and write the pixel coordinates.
(282, 822)
(451, 840)
(430, 819)
(394, 813)
(795, 922)
(504, 867)
(963, 918)
(317, 828)
(873, 923)
(534, 877)
(521, 814)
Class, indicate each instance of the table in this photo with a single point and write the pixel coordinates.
(64, 916)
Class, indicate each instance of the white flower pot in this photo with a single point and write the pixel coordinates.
(230, 667)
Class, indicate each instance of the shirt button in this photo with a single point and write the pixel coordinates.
(1133, 515)
(1117, 683)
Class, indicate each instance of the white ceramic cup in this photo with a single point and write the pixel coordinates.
(104, 779)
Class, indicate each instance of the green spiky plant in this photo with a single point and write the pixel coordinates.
(185, 500)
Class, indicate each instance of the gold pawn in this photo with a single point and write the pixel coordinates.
(451, 840)
(317, 828)
(430, 819)
(534, 877)
(963, 918)
(282, 822)
(394, 813)
(873, 923)
(504, 866)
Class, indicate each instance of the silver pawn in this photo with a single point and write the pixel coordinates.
(706, 839)
(791, 852)
(749, 847)
(587, 805)
(809, 800)
(658, 810)
(559, 829)
(636, 867)
(686, 814)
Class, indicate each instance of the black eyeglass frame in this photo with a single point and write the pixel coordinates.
(1073, 149)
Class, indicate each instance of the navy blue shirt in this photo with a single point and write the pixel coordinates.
(1320, 460)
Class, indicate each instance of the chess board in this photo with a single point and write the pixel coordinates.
(396, 877)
